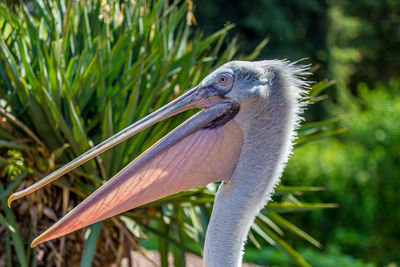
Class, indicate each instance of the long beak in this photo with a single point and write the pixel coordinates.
(195, 98)
(204, 149)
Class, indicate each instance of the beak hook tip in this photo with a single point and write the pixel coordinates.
(38, 240)
(11, 199)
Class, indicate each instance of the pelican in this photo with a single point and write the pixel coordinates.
(242, 137)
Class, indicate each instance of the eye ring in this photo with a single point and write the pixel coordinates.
(223, 82)
(223, 79)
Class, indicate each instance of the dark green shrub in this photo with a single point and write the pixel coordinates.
(361, 171)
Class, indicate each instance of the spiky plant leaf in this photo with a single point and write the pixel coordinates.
(74, 73)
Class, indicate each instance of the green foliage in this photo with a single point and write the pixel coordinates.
(353, 40)
(294, 29)
(357, 44)
(363, 42)
(361, 172)
(330, 258)
(76, 72)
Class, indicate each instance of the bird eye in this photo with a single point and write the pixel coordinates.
(223, 79)
(224, 82)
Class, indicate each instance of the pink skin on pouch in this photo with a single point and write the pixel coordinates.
(205, 156)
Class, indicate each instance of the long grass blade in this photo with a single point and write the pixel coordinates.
(93, 233)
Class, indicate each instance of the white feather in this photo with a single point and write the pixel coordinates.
(271, 96)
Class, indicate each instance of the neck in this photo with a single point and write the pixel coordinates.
(265, 151)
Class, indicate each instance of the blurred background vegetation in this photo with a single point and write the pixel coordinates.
(357, 44)
(72, 74)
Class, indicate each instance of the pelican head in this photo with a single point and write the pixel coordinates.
(242, 136)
